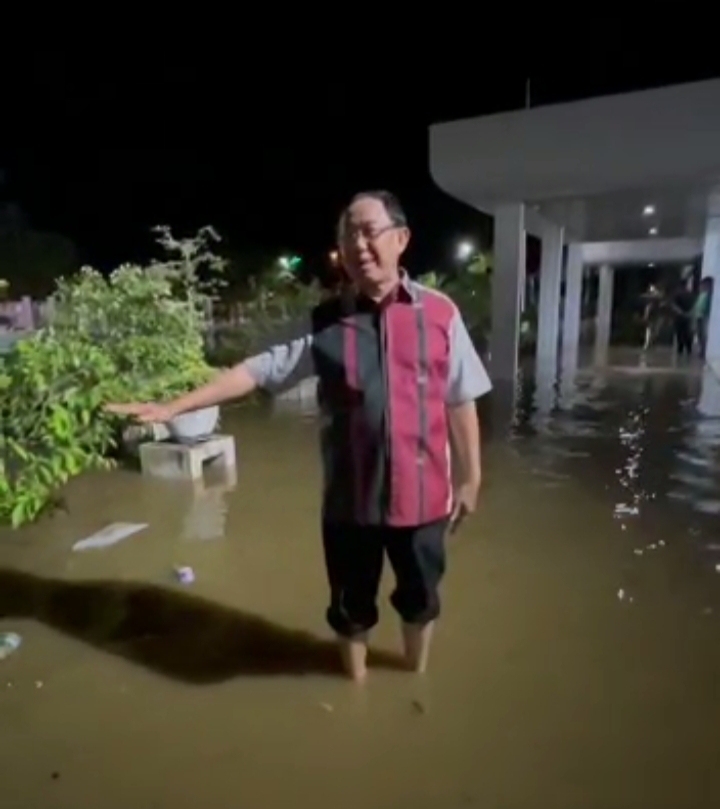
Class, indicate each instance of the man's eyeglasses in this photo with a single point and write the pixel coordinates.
(370, 234)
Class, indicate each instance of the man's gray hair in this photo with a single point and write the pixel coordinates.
(391, 203)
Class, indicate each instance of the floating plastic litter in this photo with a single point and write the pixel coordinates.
(185, 575)
(109, 535)
(9, 642)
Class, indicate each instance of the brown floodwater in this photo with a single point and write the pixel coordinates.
(577, 663)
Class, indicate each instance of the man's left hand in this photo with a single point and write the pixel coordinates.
(464, 503)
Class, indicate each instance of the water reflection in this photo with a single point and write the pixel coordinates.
(709, 404)
(207, 513)
(500, 410)
(546, 392)
(695, 477)
(636, 406)
(556, 404)
(637, 424)
(631, 437)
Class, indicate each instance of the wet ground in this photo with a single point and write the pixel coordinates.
(577, 663)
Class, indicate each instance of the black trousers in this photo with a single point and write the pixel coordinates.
(354, 557)
(684, 335)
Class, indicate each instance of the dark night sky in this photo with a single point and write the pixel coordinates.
(111, 151)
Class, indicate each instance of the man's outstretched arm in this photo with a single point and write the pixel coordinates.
(276, 369)
(235, 383)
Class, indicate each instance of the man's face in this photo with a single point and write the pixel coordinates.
(370, 245)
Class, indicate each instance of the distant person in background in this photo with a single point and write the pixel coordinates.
(652, 315)
(682, 309)
(701, 313)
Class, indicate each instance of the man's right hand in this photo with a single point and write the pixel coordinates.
(234, 383)
(144, 413)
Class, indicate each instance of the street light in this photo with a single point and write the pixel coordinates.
(653, 231)
(649, 210)
(464, 250)
(289, 262)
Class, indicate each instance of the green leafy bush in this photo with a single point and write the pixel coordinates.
(135, 335)
(273, 299)
(52, 390)
(469, 288)
(138, 335)
(152, 337)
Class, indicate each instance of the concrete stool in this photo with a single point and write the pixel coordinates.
(166, 459)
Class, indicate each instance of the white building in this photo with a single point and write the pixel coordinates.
(624, 179)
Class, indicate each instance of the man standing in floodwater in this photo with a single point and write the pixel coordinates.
(398, 379)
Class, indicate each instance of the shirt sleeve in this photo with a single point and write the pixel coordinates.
(285, 363)
(468, 380)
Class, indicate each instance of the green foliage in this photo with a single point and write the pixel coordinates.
(242, 266)
(137, 335)
(152, 336)
(272, 299)
(52, 391)
(190, 266)
(469, 288)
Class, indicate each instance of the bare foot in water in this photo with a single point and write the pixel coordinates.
(354, 656)
(416, 642)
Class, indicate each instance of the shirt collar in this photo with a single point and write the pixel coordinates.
(404, 292)
(406, 289)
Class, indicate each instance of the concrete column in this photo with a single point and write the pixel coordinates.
(549, 302)
(546, 391)
(709, 399)
(711, 268)
(587, 288)
(603, 321)
(709, 402)
(507, 278)
(572, 309)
